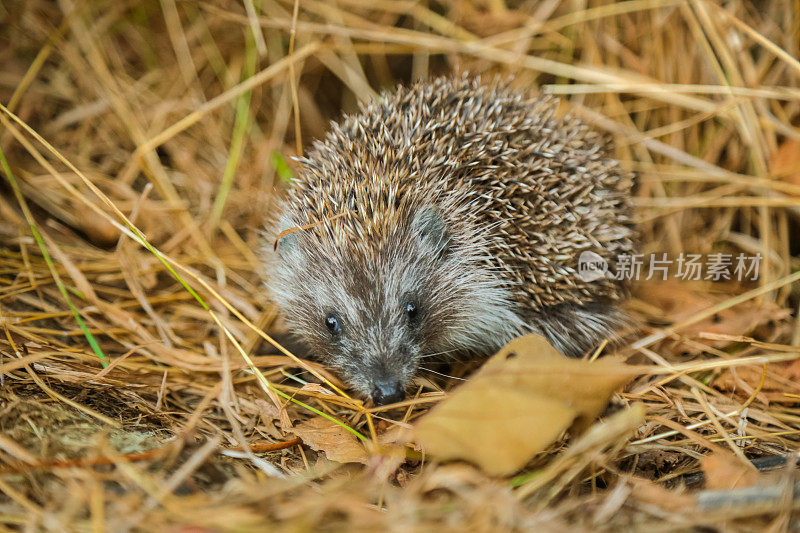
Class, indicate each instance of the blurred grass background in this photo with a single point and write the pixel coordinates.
(146, 141)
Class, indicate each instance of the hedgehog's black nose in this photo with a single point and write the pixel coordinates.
(386, 392)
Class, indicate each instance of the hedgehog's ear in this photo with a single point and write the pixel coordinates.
(429, 223)
(286, 243)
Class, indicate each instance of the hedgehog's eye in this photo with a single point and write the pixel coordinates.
(332, 324)
(411, 312)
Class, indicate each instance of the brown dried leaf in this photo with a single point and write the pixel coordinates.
(785, 162)
(781, 378)
(517, 404)
(339, 445)
(724, 471)
(678, 300)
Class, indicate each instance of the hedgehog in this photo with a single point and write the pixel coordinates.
(442, 220)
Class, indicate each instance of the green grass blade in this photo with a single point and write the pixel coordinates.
(281, 167)
(237, 140)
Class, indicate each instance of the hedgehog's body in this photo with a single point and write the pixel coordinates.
(470, 207)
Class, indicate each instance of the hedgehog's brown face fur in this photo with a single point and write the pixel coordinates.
(376, 317)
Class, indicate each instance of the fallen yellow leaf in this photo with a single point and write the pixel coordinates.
(517, 404)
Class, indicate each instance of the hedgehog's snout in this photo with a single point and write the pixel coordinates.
(387, 391)
(387, 382)
(387, 378)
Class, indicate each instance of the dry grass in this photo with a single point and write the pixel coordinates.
(142, 138)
